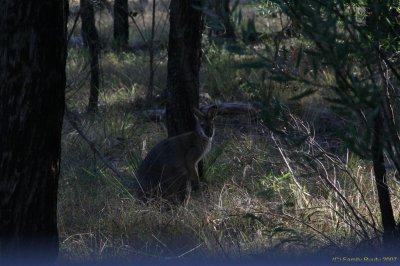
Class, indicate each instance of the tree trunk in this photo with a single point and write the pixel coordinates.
(230, 29)
(91, 41)
(224, 13)
(150, 89)
(377, 25)
(32, 88)
(390, 234)
(184, 59)
(121, 25)
(222, 24)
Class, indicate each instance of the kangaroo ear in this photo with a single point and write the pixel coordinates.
(212, 111)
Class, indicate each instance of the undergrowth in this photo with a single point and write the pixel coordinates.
(267, 192)
(263, 196)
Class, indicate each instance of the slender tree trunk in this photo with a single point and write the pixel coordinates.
(91, 41)
(230, 29)
(150, 90)
(121, 25)
(224, 13)
(32, 88)
(390, 234)
(184, 59)
(223, 27)
(377, 25)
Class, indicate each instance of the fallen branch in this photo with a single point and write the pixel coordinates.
(225, 109)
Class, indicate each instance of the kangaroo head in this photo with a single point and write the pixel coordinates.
(205, 121)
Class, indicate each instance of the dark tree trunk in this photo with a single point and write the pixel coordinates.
(230, 29)
(184, 59)
(121, 25)
(224, 13)
(390, 233)
(32, 88)
(150, 89)
(91, 41)
(377, 25)
(221, 25)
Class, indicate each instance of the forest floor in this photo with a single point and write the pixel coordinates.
(267, 193)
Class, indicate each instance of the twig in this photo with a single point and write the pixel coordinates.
(284, 215)
(312, 228)
(74, 25)
(287, 163)
(132, 16)
(339, 164)
(185, 253)
(345, 201)
(71, 117)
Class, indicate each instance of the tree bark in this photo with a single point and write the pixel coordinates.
(184, 60)
(223, 11)
(91, 41)
(230, 29)
(32, 88)
(221, 21)
(390, 232)
(121, 25)
(150, 89)
(378, 26)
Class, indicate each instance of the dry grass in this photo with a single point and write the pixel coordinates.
(264, 197)
(266, 193)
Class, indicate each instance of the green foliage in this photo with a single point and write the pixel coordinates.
(353, 51)
(341, 54)
(222, 79)
(271, 185)
(267, 8)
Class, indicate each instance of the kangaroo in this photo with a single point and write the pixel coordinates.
(170, 169)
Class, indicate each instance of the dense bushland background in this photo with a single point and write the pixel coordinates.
(295, 180)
